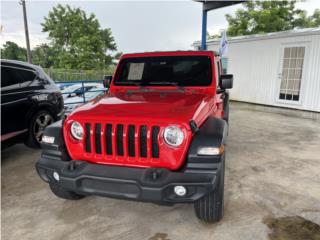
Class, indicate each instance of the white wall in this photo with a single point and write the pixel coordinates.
(255, 64)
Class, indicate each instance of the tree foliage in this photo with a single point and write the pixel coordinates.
(44, 55)
(269, 16)
(214, 36)
(11, 50)
(78, 39)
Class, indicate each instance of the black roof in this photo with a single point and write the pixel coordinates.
(21, 63)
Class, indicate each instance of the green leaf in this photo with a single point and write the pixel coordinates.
(81, 41)
(269, 16)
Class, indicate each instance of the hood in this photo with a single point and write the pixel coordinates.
(166, 107)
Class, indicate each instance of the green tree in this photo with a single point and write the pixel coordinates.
(44, 55)
(315, 19)
(214, 36)
(79, 39)
(118, 55)
(11, 50)
(269, 16)
(303, 21)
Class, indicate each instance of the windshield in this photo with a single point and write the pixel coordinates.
(78, 87)
(165, 71)
(71, 88)
(91, 95)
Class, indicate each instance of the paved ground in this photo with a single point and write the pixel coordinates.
(272, 178)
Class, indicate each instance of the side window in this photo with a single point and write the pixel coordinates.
(224, 65)
(5, 78)
(12, 77)
(8, 79)
(217, 71)
(24, 76)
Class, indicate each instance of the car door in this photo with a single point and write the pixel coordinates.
(14, 99)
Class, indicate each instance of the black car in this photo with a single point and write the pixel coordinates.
(30, 101)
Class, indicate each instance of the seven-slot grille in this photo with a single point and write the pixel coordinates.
(122, 140)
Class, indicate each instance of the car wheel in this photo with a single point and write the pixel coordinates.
(38, 123)
(210, 207)
(63, 193)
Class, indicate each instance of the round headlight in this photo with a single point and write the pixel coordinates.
(76, 130)
(173, 136)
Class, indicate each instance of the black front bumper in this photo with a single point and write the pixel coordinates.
(143, 184)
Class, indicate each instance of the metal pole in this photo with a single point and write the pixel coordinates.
(23, 3)
(83, 92)
(204, 30)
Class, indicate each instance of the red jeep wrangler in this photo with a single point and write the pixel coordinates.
(157, 136)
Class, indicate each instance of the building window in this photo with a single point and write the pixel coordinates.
(291, 75)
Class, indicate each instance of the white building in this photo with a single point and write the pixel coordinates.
(278, 69)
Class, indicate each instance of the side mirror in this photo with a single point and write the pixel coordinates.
(107, 81)
(226, 81)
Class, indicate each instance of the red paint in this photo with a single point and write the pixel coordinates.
(146, 108)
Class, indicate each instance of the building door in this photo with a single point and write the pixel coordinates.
(291, 71)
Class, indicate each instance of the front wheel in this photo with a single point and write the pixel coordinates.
(210, 207)
(38, 123)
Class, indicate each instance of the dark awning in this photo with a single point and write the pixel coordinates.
(210, 5)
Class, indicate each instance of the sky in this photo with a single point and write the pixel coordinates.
(136, 25)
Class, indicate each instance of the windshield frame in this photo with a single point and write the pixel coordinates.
(143, 83)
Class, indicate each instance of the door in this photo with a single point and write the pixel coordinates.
(14, 100)
(291, 73)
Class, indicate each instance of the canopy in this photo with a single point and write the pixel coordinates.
(211, 5)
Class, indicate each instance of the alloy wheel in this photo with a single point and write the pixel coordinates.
(42, 121)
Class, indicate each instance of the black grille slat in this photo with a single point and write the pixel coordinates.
(120, 140)
(97, 138)
(143, 141)
(88, 138)
(109, 139)
(131, 138)
(155, 143)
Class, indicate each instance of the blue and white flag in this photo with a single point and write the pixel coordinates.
(223, 44)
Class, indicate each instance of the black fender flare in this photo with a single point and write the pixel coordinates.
(57, 149)
(212, 133)
(226, 100)
(37, 106)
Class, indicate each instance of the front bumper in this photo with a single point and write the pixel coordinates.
(143, 184)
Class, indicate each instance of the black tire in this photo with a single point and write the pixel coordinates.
(210, 207)
(63, 193)
(35, 131)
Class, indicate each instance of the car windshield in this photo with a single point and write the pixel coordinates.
(71, 88)
(78, 87)
(165, 71)
(97, 92)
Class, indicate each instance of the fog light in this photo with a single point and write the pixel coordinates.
(56, 176)
(180, 190)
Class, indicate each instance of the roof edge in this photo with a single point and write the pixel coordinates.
(273, 35)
